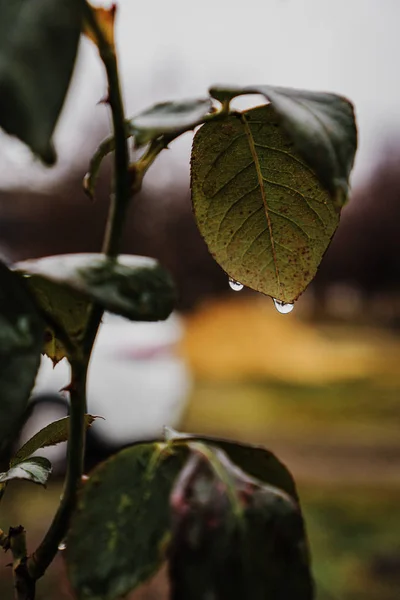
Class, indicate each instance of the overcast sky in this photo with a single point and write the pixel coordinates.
(177, 48)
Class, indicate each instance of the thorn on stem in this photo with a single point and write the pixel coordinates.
(104, 100)
(70, 387)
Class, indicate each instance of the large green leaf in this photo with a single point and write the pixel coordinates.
(118, 532)
(136, 287)
(262, 211)
(234, 537)
(52, 434)
(168, 117)
(36, 469)
(38, 45)
(322, 127)
(21, 340)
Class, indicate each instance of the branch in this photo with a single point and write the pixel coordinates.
(122, 181)
(46, 551)
(24, 584)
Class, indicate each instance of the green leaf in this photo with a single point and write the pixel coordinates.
(117, 535)
(322, 127)
(36, 469)
(21, 340)
(135, 287)
(167, 118)
(256, 461)
(52, 434)
(66, 307)
(234, 537)
(38, 46)
(263, 213)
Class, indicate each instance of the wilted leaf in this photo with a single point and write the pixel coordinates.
(123, 509)
(263, 213)
(36, 469)
(234, 537)
(322, 127)
(135, 287)
(21, 340)
(38, 46)
(52, 434)
(168, 117)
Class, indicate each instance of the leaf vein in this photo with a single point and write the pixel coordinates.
(297, 193)
(292, 156)
(262, 190)
(226, 183)
(244, 223)
(222, 152)
(242, 197)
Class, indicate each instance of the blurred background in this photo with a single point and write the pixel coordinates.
(320, 386)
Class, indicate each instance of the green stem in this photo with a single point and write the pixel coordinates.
(46, 551)
(122, 182)
(24, 585)
(41, 559)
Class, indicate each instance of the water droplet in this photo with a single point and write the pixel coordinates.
(62, 545)
(236, 286)
(283, 307)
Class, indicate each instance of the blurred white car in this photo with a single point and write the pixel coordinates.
(137, 382)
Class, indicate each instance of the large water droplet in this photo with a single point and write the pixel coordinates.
(283, 307)
(62, 545)
(236, 286)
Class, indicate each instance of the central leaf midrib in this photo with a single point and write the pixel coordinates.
(263, 194)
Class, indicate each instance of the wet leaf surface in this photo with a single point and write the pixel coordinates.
(261, 209)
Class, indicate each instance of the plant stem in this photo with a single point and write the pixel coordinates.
(122, 181)
(41, 559)
(45, 553)
(24, 585)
